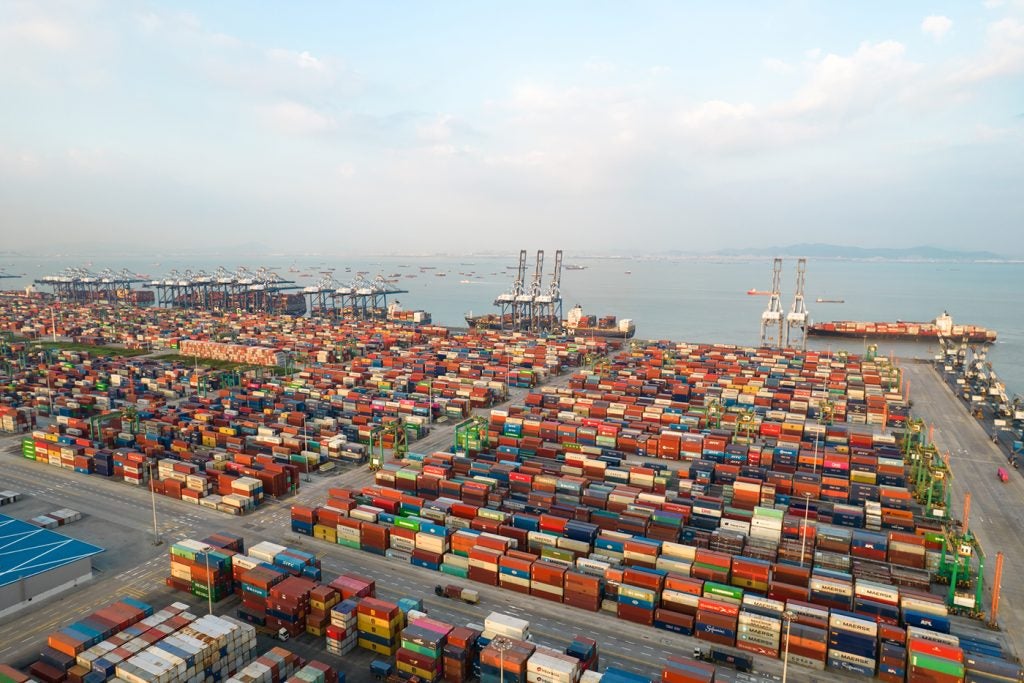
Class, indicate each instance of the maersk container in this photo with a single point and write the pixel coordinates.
(843, 665)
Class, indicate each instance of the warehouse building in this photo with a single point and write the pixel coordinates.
(36, 563)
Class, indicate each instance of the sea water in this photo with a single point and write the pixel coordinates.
(683, 299)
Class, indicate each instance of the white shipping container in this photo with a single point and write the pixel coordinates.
(862, 626)
(508, 626)
(852, 658)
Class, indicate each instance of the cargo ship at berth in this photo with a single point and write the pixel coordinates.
(581, 325)
(942, 326)
(576, 324)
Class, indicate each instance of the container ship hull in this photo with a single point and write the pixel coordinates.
(902, 331)
(494, 322)
(610, 333)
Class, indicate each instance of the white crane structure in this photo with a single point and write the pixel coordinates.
(798, 318)
(772, 318)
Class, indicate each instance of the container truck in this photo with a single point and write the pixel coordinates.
(458, 593)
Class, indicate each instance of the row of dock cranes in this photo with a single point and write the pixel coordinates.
(259, 290)
(81, 285)
(778, 328)
(528, 306)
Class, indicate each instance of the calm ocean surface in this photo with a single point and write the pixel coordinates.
(691, 300)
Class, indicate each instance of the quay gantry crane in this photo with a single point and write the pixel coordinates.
(524, 302)
(772, 318)
(531, 307)
(798, 317)
(507, 302)
(548, 306)
(320, 296)
(364, 299)
(81, 285)
(242, 290)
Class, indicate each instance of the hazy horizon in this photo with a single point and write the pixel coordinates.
(450, 128)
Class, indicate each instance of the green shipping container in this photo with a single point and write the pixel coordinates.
(938, 664)
(712, 589)
(452, 570)
(553, 553)
(406, 523)
(419, 649)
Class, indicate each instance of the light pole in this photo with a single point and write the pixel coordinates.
(152, 495)
(430, 402)
(501, 644)
(787, 617)
(209, 589)
(305, 445)
(814, 463)
(803, 536)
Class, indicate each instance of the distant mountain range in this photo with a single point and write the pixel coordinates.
(836, 251)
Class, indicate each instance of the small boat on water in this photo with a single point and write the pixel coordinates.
(758, 292)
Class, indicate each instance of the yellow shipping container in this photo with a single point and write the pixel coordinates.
(384, 632)
(415, 671)
(375, 647)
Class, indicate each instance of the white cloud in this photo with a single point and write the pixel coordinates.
(597, 65)
(296, 119)
(437, 129)
(39, 32)
(857, 82)
(1003, 54)
(776, 65)
(150, 22)
(303, 60)
(936, 26)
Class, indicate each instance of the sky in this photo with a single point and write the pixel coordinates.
(410, 127)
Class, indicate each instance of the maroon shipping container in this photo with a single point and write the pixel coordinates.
(418, 660)
(637, 615)
(785, 591)
(590, 603)
(483, 576)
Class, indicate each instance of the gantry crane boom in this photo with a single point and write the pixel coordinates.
(796, 320)
(771, 319)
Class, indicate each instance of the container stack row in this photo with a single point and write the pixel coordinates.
(855, 620)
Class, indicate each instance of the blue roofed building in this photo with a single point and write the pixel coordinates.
(36, 563)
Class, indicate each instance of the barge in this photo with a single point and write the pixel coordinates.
(941, 327)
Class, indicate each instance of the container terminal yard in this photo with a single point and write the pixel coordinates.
(786, 514)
